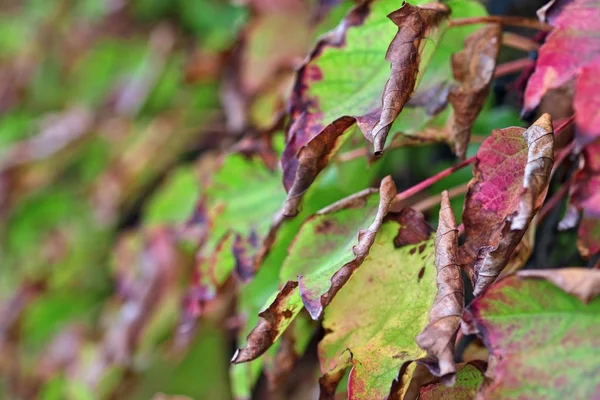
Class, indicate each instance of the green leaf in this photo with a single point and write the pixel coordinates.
(542, 341)
(373, 320)
(468, 379)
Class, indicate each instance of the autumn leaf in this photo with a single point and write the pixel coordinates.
(585, 197)
(371, 324)
(510, 182)
(581, 283)
(326, 251)
(571, 52)
(235, 208)
(439, 335)
(339, 224)
(341, 83)
(473, 68)
(415, 25)
(468, 378)
(541, 339)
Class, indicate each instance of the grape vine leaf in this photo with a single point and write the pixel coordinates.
(541, 339)
(331, 236)
(372, 322)
(511, 176)
(342, 82)
(439, 335)
(571, 51)
(468, 378)
(473, 68)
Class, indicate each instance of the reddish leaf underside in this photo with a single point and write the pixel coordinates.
(542, 341)
(571, 51)
(510, 182)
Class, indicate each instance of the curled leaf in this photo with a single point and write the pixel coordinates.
(415, 24)
(473, 68)
(271, 323)
(439, 335)
(322, 276)
(510, 183)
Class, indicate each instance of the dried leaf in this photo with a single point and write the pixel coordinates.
(473, 68)
(371, 324)
(341, 83)
(415, 25)
(330, 237)
(542, 341)
(439, 335)
(510, 182)
(570, 52)
(271, 324)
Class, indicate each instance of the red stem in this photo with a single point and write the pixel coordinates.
(510, 67)
(502, 20)
(400, 197)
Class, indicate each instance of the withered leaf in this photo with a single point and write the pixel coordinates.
(439, 335)
(327, 100)
(320, 281)
(511, 177)
(314, 280)
(473, 68)
(271, 323)
(415, 24)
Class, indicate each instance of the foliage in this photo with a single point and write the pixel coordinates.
(180, 179)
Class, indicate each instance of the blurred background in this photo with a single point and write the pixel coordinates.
(112, 115)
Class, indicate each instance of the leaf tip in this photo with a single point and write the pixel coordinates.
(545, 122)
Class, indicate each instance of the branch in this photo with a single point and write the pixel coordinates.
(502, 20)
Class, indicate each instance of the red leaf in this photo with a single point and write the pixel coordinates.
(571, 51)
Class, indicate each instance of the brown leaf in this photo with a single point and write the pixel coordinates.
(329, 382)
(439, 335)
(474, 70)
(510, 184)
(580, 282)
(310, 160)
(414, 25)
(267, 329)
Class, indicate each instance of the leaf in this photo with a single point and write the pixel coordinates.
(510, 182)
(585, 196)
(372, 322)
(340, 83)
(579, 282)
(473, 68)
(415, 25)
(235, 208)
(570, 52)
(542, 341)
(326, 252)
(439, 335)
(337, 181)
(468, 378)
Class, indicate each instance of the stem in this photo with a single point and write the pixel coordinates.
(519, 42)
(502, 20)
(559, 129)
(434, 200)
(511, 67)
(553, 202)
(398, 201)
